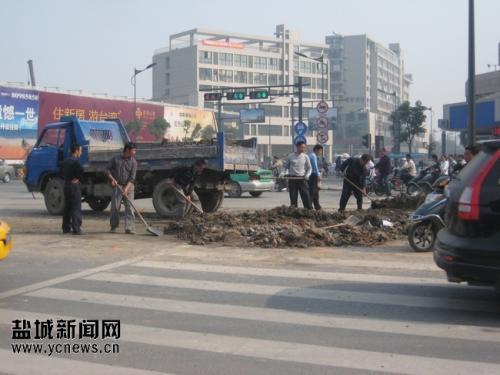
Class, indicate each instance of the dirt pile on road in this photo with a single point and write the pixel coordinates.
(290, 227)
(403, 202)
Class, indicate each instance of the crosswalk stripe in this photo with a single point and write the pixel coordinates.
(454, 331)
(286, 351)
(298, 274)
(305, 293)
(28, 364)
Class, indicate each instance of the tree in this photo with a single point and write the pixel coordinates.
(410, 120)
(133, 127)
(158, 128)
(186, 127)
(207, 133)
(195, 134)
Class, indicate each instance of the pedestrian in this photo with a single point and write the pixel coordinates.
(299, 169)
(354, 171)
(315, 176)
(409, 170)
(72, 173)
(187, 179)
(444, 165)
(384, 168)
(122, 171)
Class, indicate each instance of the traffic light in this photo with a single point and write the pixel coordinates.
(367, 141)
(262, 94)
(212, 96)
(237, 95)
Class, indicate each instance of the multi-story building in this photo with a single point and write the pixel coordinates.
(367, 83)
(198, 60)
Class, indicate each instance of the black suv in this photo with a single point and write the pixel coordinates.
(468, 249)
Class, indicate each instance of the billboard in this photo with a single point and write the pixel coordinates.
(18, 122)
(55, 105)
(485, 116)
(189, 123)
(254, 115)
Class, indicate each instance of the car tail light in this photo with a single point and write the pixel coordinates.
(468, 204)
(254, 177)
(495, 132)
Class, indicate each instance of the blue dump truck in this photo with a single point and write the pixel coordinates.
(157, 166)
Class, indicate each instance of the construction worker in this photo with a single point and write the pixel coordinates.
(384, 169)
(72, 173)
(121, 171)
(299, 169)
(315, 175)
(354, 181)
(187, 179)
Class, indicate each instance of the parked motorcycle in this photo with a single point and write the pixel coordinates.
(423, 181)
(428, 219)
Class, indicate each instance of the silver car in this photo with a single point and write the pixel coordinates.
(7, 172)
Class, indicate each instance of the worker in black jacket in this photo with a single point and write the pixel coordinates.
(72, 173)
(384, 169)
(354, 181)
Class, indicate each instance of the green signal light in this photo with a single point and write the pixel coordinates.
(259, 95)
(235, 95)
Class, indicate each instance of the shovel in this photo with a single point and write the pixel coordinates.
(187, 199)
(351, 220)
(149, 228)
(357, 187)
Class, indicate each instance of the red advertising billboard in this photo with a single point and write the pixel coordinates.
(52, 106)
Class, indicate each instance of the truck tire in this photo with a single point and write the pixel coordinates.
(256, 194)
(53, 195)
(167, 202)
(98, 204)
(210, 200)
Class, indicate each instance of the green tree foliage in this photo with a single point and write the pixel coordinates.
(410, 120)
(207, 133)
(133, 127)
(195, 134)
(186, 127)
(158, 128)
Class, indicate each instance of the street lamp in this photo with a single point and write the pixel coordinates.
(319, 59)
(431, 134)
(133, 82)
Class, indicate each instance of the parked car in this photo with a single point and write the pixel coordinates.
(5, 239)
(254, 183)
(7, 172)
(468, 247)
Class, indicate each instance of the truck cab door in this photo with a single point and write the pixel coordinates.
(46, 156)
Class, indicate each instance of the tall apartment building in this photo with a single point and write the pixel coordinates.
(367, 82)
(201, 59)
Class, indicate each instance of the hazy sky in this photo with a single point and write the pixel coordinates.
(95, 45)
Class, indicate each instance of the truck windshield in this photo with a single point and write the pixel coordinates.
(102, 135)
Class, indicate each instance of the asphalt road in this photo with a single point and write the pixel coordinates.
(221, 310)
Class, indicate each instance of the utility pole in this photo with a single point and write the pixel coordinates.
(292, 115)
(300, 98)
(471, 97)
(32, 73)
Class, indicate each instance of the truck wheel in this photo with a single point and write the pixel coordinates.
(167, 202)
(211, 200)
(256, 194)
(6, 178)
(54, 196)
(98, 204)
(235, 191)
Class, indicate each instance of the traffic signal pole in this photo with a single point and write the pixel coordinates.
(300, 98)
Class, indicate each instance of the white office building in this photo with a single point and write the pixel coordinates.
(199, 60)
(367, 82)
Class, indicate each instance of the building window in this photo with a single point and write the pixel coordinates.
(205, 74)
(225, 75)
(260, 78)
(167, 62)
(205, 57)
(275, 130)
(286, 131)
(260, 62)
(241, 60)
(215, 76)
(272, 110)
(253, 130)
(167, 79)
(226, 59)
(305, 67)
(273, 79)
(241, 77)
(273, 63)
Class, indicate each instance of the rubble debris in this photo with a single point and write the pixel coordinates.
(402, 201)
(290, 227)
